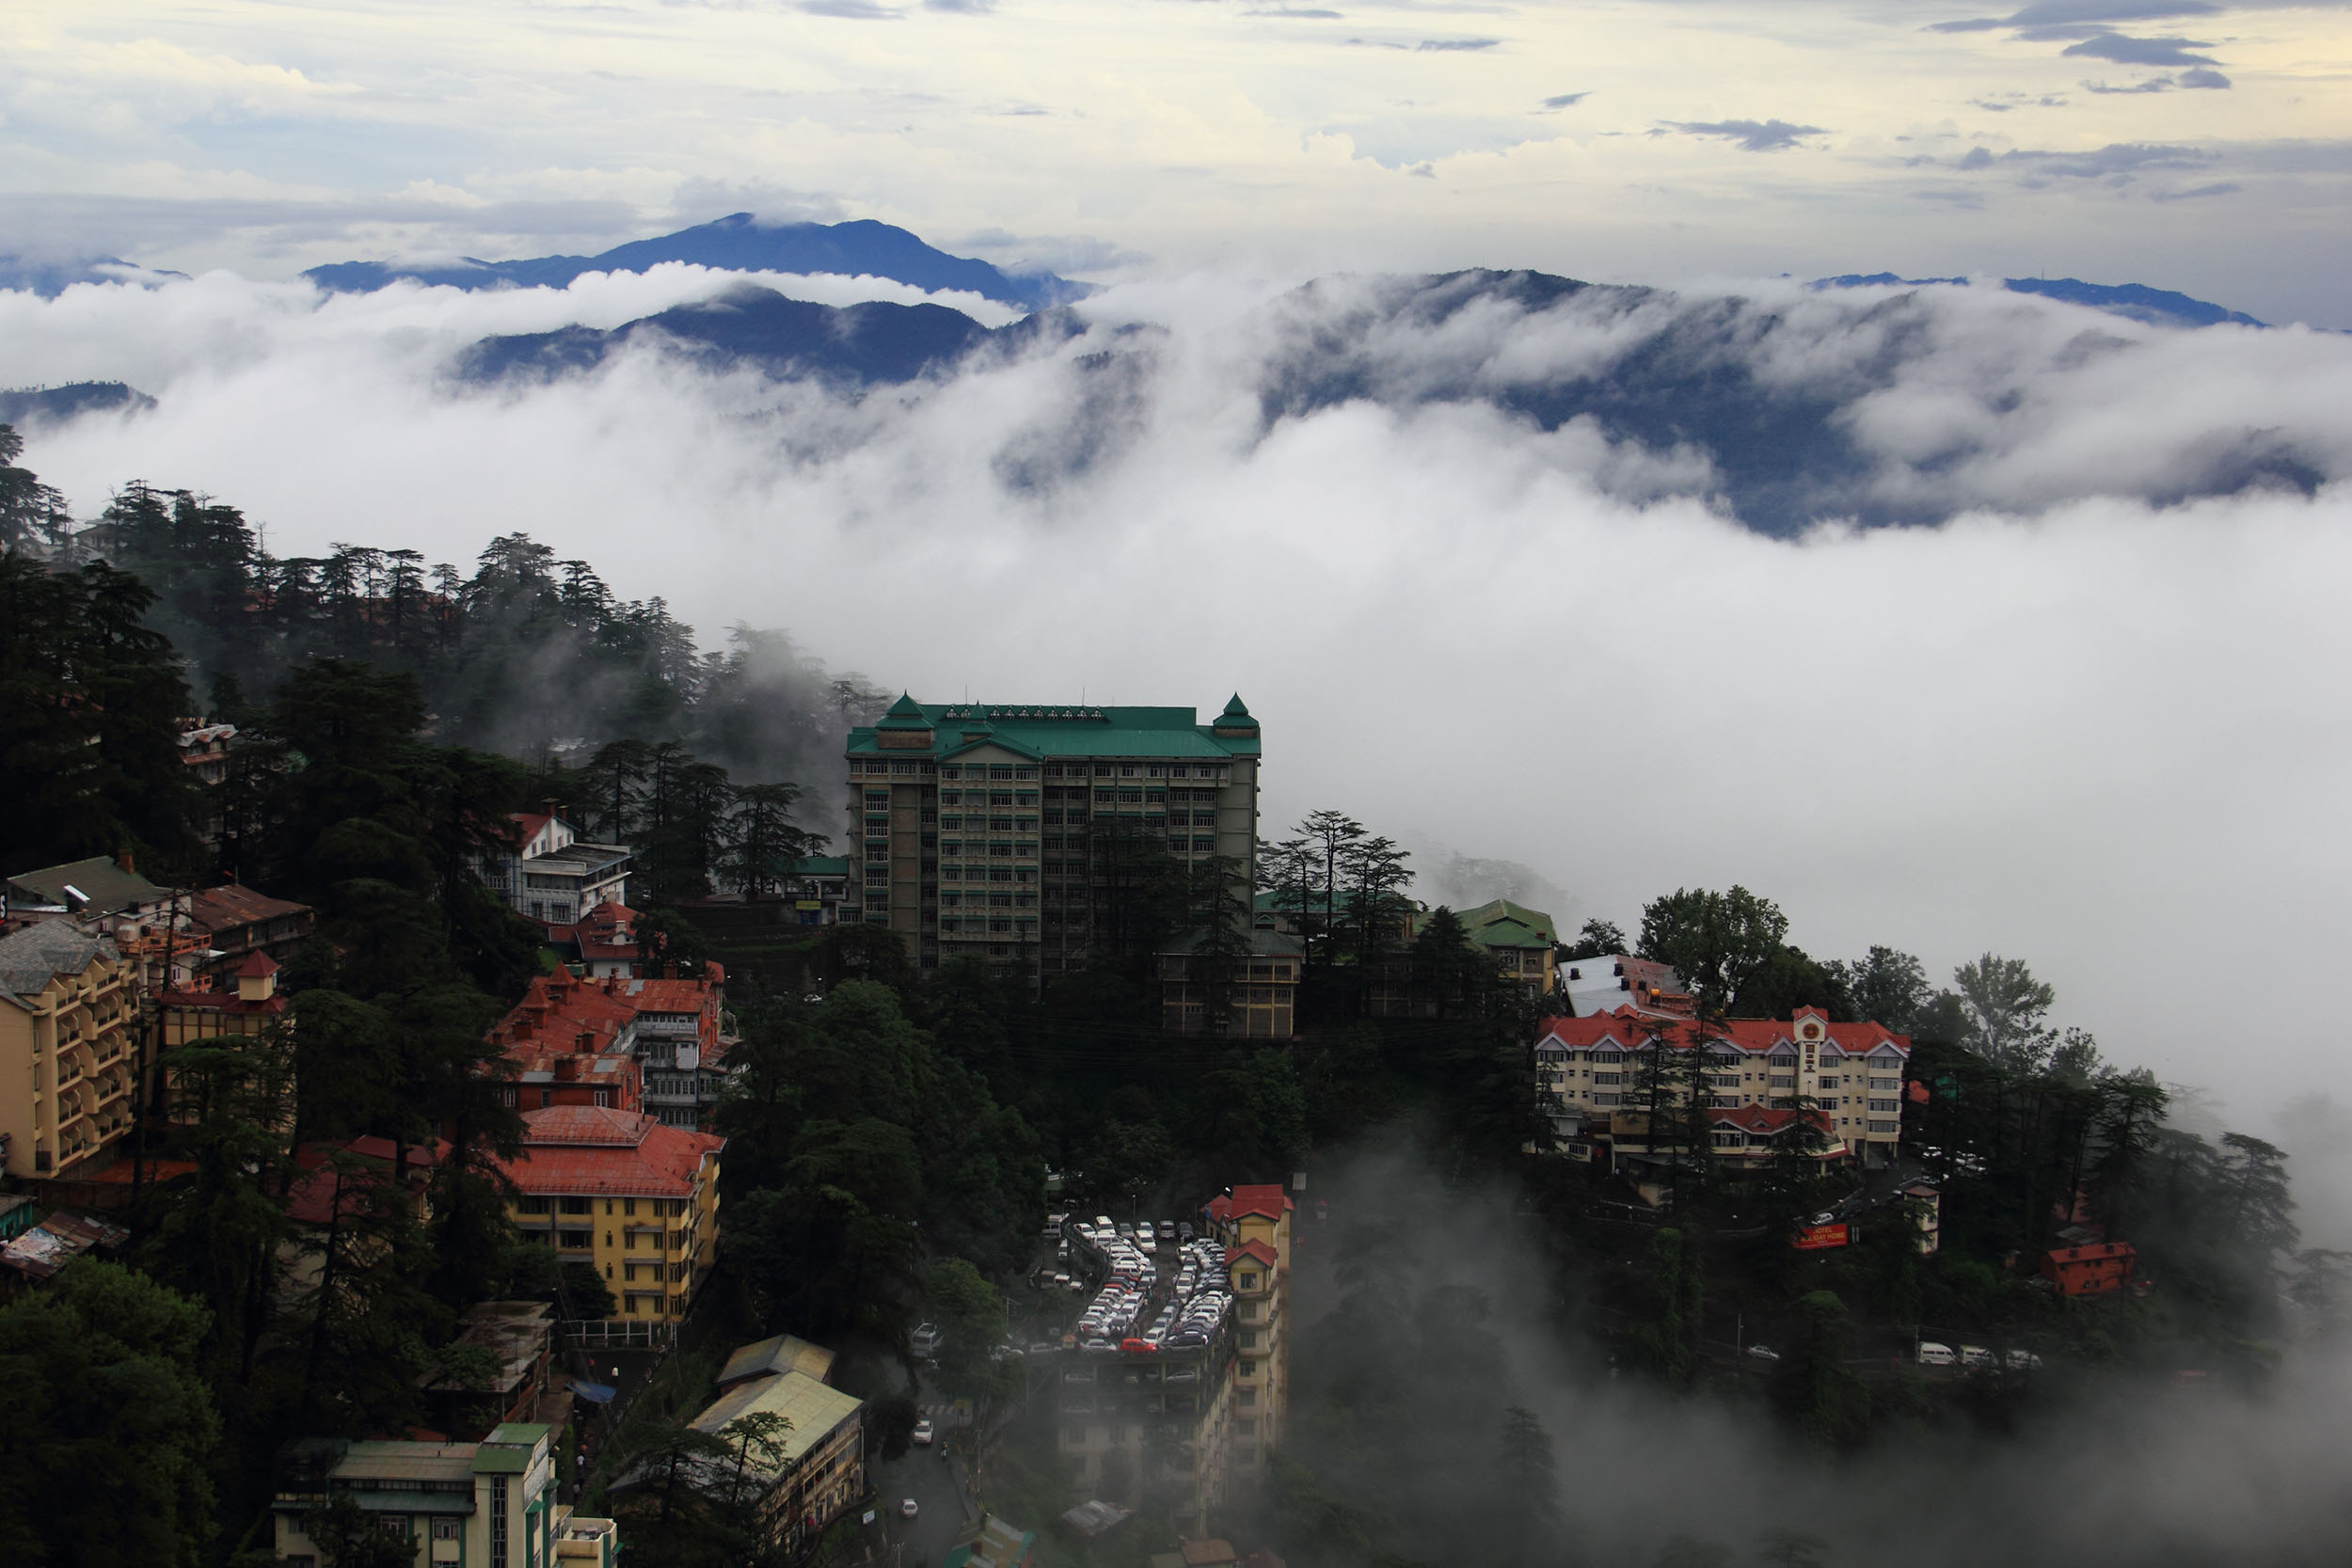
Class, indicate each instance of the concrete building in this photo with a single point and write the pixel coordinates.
(620, 1191)
(1254, 1224)
(997, 831)
(658, 1046)
(552, 875)
(1260, 995)
(490, 1504)
(71, 1076)
(1588, 1072)
(821, 1467)
(235, 922)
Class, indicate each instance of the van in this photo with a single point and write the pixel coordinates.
(1933, 1354)
(2022, 1360)
(924, 1340)
(1974, 1355)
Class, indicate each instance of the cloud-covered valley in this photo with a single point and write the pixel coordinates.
(1586, 580)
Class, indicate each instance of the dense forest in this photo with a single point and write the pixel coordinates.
(889, 1134)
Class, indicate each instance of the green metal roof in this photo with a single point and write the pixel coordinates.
(819, 865)
(815, 1409)
(1537, 928)
(102, 883)
(1068, 731)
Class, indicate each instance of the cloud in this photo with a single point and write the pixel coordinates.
(2201, 79)
(2044, 12)
(2116, 161)
(1455, 46)
(2132, 51)
(1752, 135)
(964, 8)
(2196, 193)
(1566, 99)
(852, 10)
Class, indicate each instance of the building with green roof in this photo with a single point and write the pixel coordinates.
(986, 830)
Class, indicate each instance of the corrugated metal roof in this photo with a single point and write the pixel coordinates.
(815, 1409)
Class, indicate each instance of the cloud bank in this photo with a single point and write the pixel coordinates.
(2091, 716)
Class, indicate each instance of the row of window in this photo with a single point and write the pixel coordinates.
(658, 1207)
(874, 768)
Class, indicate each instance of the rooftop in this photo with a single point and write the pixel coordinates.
(102, 882)
(589, 1148)
(776, 1356)
(814, 1408)
(218, 908)
(945, 729)
(1628, 1028)
(33, 957)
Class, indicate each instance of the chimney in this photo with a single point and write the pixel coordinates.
(567, 1070)
(122, 858)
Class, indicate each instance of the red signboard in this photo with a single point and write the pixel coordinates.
(1820, 1238)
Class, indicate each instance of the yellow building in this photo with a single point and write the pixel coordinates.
(70, 1065)
(621, 1191)
(1254, 1225)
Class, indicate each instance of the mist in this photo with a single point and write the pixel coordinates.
(1442, 1294)
(2089, 713)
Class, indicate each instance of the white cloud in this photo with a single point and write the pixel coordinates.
(2068, 724)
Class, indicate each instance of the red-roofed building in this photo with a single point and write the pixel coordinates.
(1254, 1225)
(629, 1045)
(603, 945)
(196, 1017)
(683, 1034)
(1589, 1069)
(621, 1192)
(233, 920)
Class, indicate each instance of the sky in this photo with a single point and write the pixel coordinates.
(2189, 144)
(2092, 715)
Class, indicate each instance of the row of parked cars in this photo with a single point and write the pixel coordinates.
(1933, 1354)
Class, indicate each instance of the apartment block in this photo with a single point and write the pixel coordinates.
(490, 1504)
(999, 833)
(69, 1064)
(820, 1468)
(626, 1044)
(618, 1189)
(1254, 1225)
(1588, 1073)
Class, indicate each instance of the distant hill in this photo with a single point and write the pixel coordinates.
(26, 405)
(737, 243)
(2157, 307)
(52, 277)
(848, 347)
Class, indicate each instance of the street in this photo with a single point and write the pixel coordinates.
(936, 1484)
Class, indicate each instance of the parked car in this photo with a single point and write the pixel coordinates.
(924, 1340)
(2022, 1360)
(908, 1507)
(923, 1431)
(1184, 1231)
(1933, 1354)
(1974, 1355)
(1762, 1352)
(1168, 1230)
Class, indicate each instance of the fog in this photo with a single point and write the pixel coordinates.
(2122, 1469)
(2093, 717)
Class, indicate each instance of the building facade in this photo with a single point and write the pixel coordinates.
(820, 1468)
(490, 1504)
(619, 1191)
(1588, 1073)
(552, 875)
(70, 1072)
(1254, 1225)
(1258, 998)
(999, 833)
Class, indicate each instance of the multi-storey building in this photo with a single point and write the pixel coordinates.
(490, 1504)
(1002, 833)
(1589, 1071)
(554, 876)
(69, 1064)
(1254, 1224)
(818, 1468)
(1620, 980)
(625, 1044)
(619, 1191)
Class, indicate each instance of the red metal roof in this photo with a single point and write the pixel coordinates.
(588, 1148)
(1268, 1201)
(1628, 1027)
(1264, 1252)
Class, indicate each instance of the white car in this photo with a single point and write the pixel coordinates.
(1974, 1355)
(1933, 1354)
(1762, 1352)
(2022, 1360)
(923, 1431)
(908, 1509)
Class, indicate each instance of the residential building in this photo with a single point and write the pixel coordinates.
(1260, 993)
(989, 1542)
(233, 921)
(822, 1468)
(1254, 1225)
(552, 875)
(684, 1032)
(517, 1339)
(1002, 833)
(655, 1045)
(1617, 980)
(37, 1254)
(1518, 940)
(620, 1191)
(70, 1069)
(774, 1356)
(2098, 1268)
(104, 892)
(204, 750)
(189, 1017)
(819, 888)
(1588, 1069)
(602, 944)
(490, 1504)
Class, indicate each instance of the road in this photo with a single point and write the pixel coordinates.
(936, 1483)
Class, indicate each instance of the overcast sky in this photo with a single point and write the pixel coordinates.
(2193, 144)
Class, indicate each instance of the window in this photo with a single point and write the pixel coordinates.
(1886, 1127)
(1827, 1103)
(576, 1206)
(445, 1529)
(1887, 1105)
(533, 1206)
